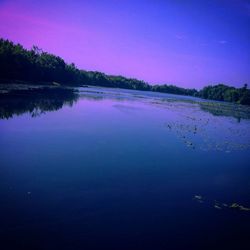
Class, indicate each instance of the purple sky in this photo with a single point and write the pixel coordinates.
(186, 43)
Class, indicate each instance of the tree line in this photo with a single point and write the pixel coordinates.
(37, 66)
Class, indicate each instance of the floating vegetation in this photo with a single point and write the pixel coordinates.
(219, 205)
(204, 132)
(170, 101)
(199, 124)
(198, 198)
(239, 207)
(226, 109)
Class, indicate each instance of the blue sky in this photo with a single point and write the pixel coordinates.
(187, 43)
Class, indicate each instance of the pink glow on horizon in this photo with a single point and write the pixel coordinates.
(119, 46)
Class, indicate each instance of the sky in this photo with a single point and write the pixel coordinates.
(188, 43)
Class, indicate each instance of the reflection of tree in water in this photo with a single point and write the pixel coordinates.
(35, 101)
(226, 109)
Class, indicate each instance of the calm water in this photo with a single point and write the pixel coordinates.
(117, 169)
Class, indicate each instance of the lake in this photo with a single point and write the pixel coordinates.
(123, 169)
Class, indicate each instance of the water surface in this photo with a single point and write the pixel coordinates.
(122, 169)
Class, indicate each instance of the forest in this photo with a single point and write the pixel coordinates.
(38, 67)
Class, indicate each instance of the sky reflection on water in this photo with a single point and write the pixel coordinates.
(122, 173)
